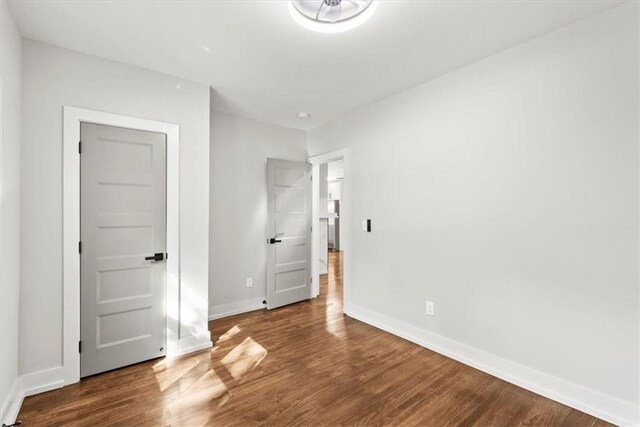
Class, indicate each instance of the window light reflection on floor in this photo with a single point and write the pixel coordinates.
(229, 334)
(244, 358)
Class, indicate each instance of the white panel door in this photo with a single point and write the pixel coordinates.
(289, 232)
(123, 244)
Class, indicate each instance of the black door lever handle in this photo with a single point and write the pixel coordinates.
(155, 257)
(274, 240)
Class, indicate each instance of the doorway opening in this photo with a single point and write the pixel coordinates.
(330, 234)
(330, 250)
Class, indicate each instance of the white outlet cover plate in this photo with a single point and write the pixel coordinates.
(430, 308)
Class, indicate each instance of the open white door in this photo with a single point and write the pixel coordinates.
(289, 232)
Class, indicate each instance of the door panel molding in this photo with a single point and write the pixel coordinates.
(133, 323)
(289, 221)
(72, 117)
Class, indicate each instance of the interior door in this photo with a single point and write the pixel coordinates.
(289, 232)
(123, 244)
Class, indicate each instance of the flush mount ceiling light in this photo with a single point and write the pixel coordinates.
(303, 115)
(331, 16)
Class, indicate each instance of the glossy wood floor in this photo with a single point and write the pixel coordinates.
(305, 364)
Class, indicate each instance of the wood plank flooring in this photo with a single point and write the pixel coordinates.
(304, 364)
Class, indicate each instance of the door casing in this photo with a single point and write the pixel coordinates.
(72, 117)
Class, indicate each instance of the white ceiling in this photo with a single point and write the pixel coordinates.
(264, 65)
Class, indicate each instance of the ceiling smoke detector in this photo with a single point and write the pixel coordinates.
(331, 16)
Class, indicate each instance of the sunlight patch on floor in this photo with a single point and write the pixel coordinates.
(206, 390)
(229, 334)
(244, 358)
(169, 371)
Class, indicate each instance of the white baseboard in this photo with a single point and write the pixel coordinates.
(576, 396)
(28, 385)
(41, 381)
(11, 406)
(231, 309)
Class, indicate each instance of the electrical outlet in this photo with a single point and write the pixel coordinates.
(249, 282)
(430, 308)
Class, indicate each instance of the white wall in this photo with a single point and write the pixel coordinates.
(52, 78)
(507, 193)
(10, 80)
(239, 151)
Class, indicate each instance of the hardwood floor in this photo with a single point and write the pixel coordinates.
(304, 364)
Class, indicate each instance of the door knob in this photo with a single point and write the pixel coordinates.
(274, 240)
(155, 257)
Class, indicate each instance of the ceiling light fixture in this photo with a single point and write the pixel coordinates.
(303, 115)
(331, 16)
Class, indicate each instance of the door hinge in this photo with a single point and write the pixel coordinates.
(79, 346)
(79, 147)
(79, 247)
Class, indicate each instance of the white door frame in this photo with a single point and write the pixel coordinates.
(72, 117)
(345, 213)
